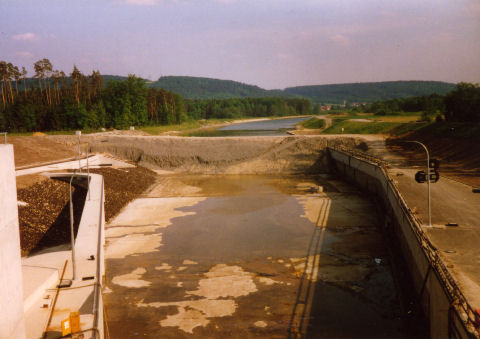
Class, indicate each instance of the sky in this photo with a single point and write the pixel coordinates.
(270, 43)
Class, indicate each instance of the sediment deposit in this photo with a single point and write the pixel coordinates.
(227, 155)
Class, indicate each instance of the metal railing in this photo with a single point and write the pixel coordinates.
(98, 283)
(459, 301)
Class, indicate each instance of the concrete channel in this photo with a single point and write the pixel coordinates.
(249, 256)
(449, 311)
(278, 237)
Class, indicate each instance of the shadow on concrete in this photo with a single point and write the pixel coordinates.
(299, 318)
(59, 232)
(345, 304)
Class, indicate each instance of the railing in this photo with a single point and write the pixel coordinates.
(98, 284)
(459, 300)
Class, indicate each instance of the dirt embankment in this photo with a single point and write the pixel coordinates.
(44, 216)
(40, 149)
(459, 157)
(229, 155)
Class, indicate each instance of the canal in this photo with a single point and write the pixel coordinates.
(267, 127)
(249, 256)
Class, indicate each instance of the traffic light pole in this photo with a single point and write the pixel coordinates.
(428, 179)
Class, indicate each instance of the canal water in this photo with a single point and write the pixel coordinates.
(249, 257)
(270, 127)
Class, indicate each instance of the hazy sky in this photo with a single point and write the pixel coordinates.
(269, 43)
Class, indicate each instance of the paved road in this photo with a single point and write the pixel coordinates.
(452, 201)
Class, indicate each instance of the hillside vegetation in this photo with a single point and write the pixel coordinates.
(206, 88)
(369, 92)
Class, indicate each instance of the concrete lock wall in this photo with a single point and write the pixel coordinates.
(430, 283)
(11, 295)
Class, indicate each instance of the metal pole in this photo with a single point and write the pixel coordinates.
(79, 133)
(88, 173)
(5, 134)
(72, 235)
(428, 179)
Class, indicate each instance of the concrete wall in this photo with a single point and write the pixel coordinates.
(11, 296)
(431, 284)
(90, 241)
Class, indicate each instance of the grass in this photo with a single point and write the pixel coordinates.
(313, 123)
(354, 127)
(64, 132)
(377, 124)
(208, 132)
(187, 125)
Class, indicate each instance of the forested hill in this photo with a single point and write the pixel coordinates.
(207, 88)
(369, 91)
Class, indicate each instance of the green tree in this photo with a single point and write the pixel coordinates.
(463, 104)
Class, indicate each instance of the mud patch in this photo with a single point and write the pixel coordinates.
(222, 281)
(132, 280)
(130, 244)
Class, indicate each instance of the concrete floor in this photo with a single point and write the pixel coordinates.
(249, 256)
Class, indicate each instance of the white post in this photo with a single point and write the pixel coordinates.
(72, 235)
(428, 180)
(79, 133)
(88, 173)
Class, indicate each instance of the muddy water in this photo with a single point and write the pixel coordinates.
(249, 256)
(263, 127)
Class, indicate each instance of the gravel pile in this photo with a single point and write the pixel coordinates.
(123, 186)
(45, 217)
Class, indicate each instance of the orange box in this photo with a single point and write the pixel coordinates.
(71, 324)
(75, 321)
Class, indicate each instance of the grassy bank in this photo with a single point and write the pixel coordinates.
(187, 125)
(313, 123)
(367, 123)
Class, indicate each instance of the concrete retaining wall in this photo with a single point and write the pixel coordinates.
(89, 254)
(12, 323)
(441, 300)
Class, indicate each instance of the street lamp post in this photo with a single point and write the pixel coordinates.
(79, 133)
(428, 179)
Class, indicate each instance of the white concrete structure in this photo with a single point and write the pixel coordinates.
(95, 161)
(12, 324)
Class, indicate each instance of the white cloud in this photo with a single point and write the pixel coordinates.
(24, 54)
(25, 37)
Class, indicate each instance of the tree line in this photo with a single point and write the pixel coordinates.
(460, 105)
(54, 100)
(247, 107)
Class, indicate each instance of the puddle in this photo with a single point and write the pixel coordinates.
(208, 256)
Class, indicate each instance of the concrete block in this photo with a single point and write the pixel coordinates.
(11, 295)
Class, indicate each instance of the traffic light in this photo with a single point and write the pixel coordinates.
(434, 164)
(420, 177)
(434, 176)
